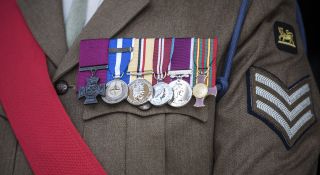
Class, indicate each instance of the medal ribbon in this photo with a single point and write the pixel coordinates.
(119, 61)
(93, 52)
(182, 57)
(205, 55)
(161, 58)
(142, 59)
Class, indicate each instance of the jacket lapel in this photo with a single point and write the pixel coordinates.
(109, 19)
(45, 20)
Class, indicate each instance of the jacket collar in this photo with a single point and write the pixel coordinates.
(45, 20)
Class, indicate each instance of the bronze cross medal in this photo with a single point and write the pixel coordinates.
(92, 90)
(201, 90)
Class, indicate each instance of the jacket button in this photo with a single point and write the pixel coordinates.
(61, 87)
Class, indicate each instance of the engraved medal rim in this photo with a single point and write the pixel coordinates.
(189, 96)
(149, 96)
(111, 100)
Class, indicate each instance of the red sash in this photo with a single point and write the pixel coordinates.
(48, 138)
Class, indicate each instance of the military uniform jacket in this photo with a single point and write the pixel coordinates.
(231, 136)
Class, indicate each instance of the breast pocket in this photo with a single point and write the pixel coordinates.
(161, 140)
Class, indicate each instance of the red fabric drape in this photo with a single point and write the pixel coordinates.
(48, 138)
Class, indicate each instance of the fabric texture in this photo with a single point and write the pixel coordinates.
(161, 58)
(49, 140)
(76, 20)
(221, 138)
(119, 62)
(92, 7)
(93, 53)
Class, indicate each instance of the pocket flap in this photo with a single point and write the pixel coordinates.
(202, 114)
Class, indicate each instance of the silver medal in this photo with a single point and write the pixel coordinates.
(182, 93)
(140, 92)
(163, 93)
(116, 91)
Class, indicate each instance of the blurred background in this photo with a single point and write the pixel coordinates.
(311, 20)
(309, 10)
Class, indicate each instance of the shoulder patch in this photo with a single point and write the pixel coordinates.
(287, 111)
(285, 37)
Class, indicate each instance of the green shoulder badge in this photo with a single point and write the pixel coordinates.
(285, 37)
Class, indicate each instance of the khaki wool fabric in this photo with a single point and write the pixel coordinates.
(220, 139)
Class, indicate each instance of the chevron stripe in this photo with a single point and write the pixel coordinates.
(287, 111)
(291, 131)
(291, 115)
(290, 99)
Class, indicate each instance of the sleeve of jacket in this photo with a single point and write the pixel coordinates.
(266, 123)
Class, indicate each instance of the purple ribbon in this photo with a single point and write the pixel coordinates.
(181, 55)
(93, 52)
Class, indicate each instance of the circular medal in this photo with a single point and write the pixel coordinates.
(116, 91)
(140, 92)
(182, 93)
(163, 93)
(200, 90)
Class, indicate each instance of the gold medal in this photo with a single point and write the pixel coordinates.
(200, 90)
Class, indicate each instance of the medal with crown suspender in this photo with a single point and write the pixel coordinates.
(93, 65)
(180, 67)
(140, 70)
(163, 93)
(93, 88)
(119, 59)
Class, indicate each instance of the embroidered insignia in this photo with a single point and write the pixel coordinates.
(288, 111)
(285, 37)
